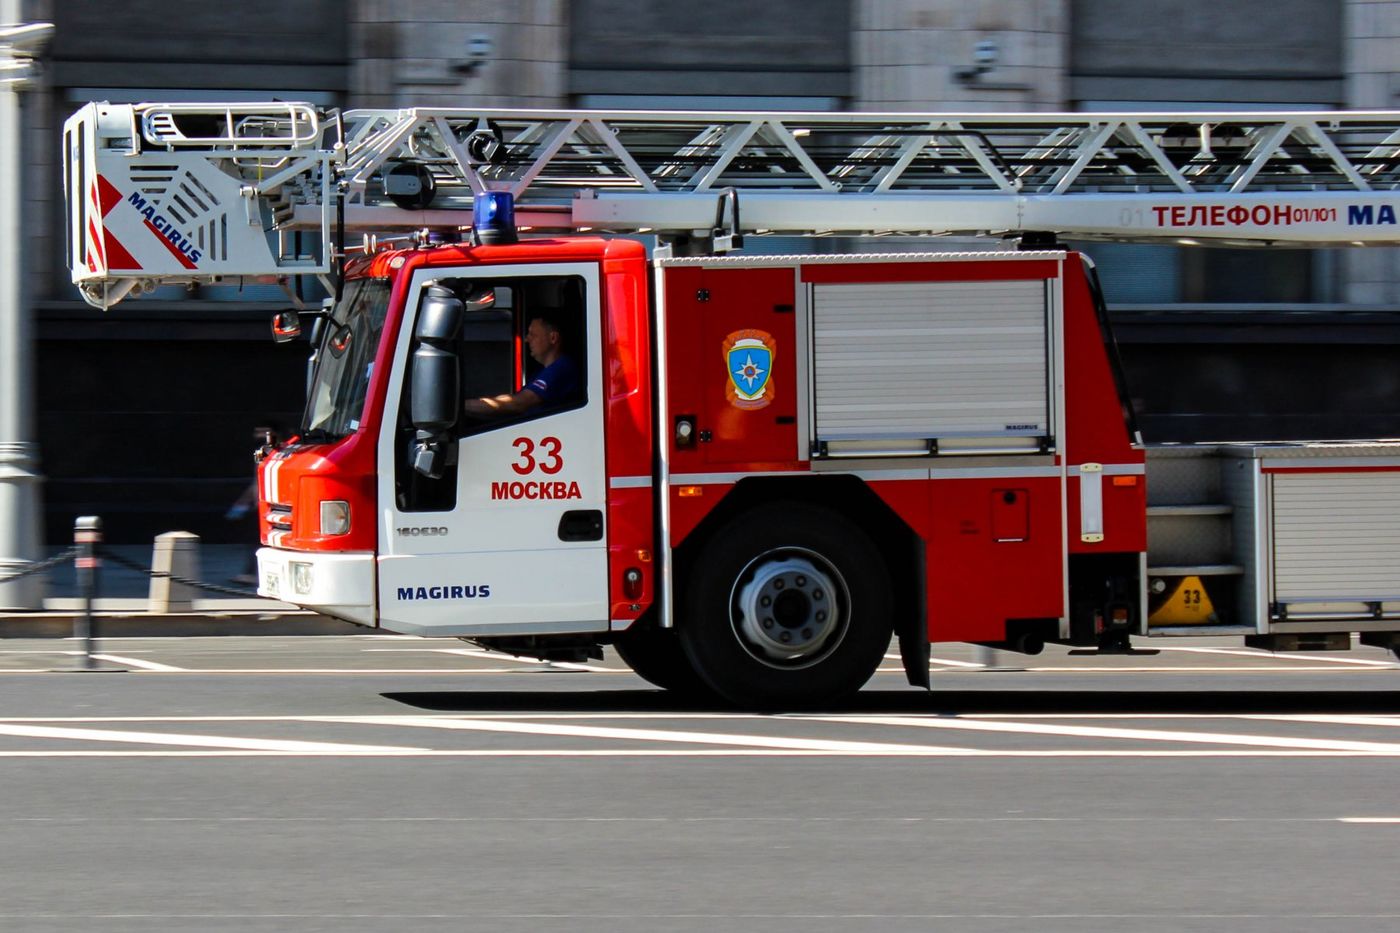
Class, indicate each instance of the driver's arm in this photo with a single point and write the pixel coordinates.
(498, 405)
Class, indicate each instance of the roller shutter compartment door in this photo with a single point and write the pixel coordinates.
(929, 360)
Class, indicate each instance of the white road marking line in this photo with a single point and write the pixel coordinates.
(1070, 667)
(1133, 716)
(228, 753)
(915, 752)
(133, 662)
(205, 741)
(1328, 719)
(445, 671)
(643, 735)
(709, 716)
(499, 656)
(1273, 656)
(782, 820)
(337, 719)
(1368, 819)
(1104, 732)
(947, 661)
(467, 671)
(752, 745)
(712, 918)
(1153, 669)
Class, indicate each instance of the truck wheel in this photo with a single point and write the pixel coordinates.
(656, 656)
(787, 604)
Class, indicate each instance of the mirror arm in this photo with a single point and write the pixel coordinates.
(430, 454)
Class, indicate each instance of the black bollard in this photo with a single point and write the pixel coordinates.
(87, 534)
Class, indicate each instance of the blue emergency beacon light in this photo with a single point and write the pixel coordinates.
(493, 218)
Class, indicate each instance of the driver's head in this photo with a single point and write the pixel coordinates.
(544, 339)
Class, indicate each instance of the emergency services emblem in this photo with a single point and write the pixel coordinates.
(748, 355)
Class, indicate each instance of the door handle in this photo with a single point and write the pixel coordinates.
(581, 525)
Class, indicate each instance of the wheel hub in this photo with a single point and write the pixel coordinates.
(788, 608)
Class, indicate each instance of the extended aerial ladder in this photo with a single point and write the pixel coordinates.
(197, 193)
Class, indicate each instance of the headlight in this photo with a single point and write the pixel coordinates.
(335, 517)
(301, 577)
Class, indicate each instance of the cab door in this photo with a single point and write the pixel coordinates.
(511, 540)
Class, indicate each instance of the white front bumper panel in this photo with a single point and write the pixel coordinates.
(340, 585)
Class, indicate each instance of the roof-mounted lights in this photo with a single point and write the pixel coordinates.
(493, 218)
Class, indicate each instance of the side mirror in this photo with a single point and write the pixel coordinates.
(435, 392)
(480, 298)
(286, 326)
(439, 316)
(434, 389)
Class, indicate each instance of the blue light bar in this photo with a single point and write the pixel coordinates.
(493, 218)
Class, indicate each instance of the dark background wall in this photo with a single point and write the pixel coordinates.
(156, 44)
(145, 413)
(146, 419)
(1261, 375)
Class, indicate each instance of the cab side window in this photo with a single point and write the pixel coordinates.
(546, 358)
(520, 356)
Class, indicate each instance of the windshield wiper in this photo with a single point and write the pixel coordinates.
(317, 436)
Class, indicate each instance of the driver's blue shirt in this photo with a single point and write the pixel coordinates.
(557, 382)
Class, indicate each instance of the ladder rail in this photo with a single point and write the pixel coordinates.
(1247, 178)
(1047, 153)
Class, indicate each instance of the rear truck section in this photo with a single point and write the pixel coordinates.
(1293, 546)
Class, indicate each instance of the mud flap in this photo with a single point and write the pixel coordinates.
(911, 624)
(914, 652)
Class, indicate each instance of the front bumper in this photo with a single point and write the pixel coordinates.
(337, 584)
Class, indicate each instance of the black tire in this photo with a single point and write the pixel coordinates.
(786, 605)
(655, 655)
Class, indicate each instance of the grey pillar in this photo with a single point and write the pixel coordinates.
(20, 542)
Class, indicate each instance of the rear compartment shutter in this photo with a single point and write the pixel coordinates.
(1335, 538)
(922, 367)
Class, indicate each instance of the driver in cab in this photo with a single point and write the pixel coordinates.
(557, 381)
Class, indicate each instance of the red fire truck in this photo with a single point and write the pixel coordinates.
(765, 467)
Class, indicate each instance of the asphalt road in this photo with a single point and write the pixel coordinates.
(384, 783)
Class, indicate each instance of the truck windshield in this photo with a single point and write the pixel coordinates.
(345, 359)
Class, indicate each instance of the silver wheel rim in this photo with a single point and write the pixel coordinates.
(789, 608)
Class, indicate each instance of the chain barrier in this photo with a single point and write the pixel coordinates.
(175, 578)
(87, 554)
(40, 566)
(50, 563)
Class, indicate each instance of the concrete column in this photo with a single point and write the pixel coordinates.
(20, 542)
(176, 552)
